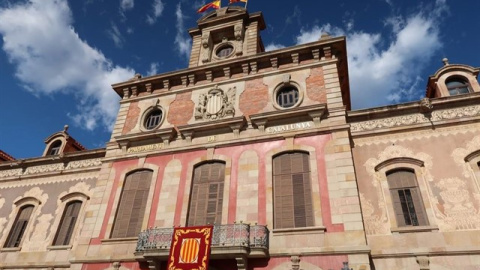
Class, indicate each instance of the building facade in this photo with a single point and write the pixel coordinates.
(262, 145)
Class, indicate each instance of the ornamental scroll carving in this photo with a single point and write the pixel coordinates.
(216, 104)
(84, 163)
(416, 119)
(374, 223)
(459, 210)
(44, 168)
(10, 173)
(77, 164)
(460, 154)
(38, 240)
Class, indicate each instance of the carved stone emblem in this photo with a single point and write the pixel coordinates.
(216, 104)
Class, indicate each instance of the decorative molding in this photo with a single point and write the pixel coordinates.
(76, 164)
(216, 104)
(406, 120)
(460, 154)
(374, 223)
(84, 163)
(44, 168)
(38, 240)
(50, 180)
(418, 134)
(459, 212)
(10, 173)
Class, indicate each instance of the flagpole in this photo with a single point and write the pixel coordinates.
(246, 3)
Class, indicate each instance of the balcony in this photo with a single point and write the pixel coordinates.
(238, 241)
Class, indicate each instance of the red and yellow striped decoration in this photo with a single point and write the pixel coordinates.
(190, 248)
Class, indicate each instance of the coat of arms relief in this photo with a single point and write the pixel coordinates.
(216, 104)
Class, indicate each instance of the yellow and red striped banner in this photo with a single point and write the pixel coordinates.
(190, 248)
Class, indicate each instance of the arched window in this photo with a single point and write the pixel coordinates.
(457, 86)
(55, 148)
(131, 209)
(67, 224)
(292, 191)
(206, 198)
(19, 226)
(406, 198)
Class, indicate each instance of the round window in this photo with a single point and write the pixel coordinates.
(225, 51)
(153, 119)
(287, 96)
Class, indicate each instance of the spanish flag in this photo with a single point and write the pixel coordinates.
(215, 4)
(235, 1)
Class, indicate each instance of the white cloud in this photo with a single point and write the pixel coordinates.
(157, 7)
(50, 57)
(153, 69)
(181, 40)
(273, 46)
(126, 4)
(116, 36)
(384, 69)
(316, 32)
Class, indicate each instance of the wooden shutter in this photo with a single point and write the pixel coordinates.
(293, 206)
(206, 198)
(19, 226)
(405, 182)
(131, 209)
(67, 224)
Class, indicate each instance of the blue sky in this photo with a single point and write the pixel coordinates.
(59, 57)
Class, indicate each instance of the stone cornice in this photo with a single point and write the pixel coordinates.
(46, 160)
(322, 50)
(241, 139)
(414, 114)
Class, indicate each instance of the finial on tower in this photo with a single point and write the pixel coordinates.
(65, 128)
(445, 61)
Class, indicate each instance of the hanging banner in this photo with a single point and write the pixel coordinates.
(190, 248)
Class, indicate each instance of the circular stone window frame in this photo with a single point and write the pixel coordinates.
(219, 46)
(146, 113)
(280, 87)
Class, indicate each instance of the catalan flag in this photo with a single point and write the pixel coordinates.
(215, 4)
(235, 1)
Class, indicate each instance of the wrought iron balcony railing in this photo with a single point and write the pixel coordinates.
(230, 235)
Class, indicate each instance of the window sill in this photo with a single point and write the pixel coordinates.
(414, 229)
(116, 240)
(66, 247)
(303, 230)
(10, 249)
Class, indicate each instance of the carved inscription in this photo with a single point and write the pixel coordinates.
(290, 127)
(145, 148)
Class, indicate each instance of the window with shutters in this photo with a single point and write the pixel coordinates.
(131, 208)
(292, 191)
(206, 197)
(67, 223)
(406, 198)
(19, 226)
